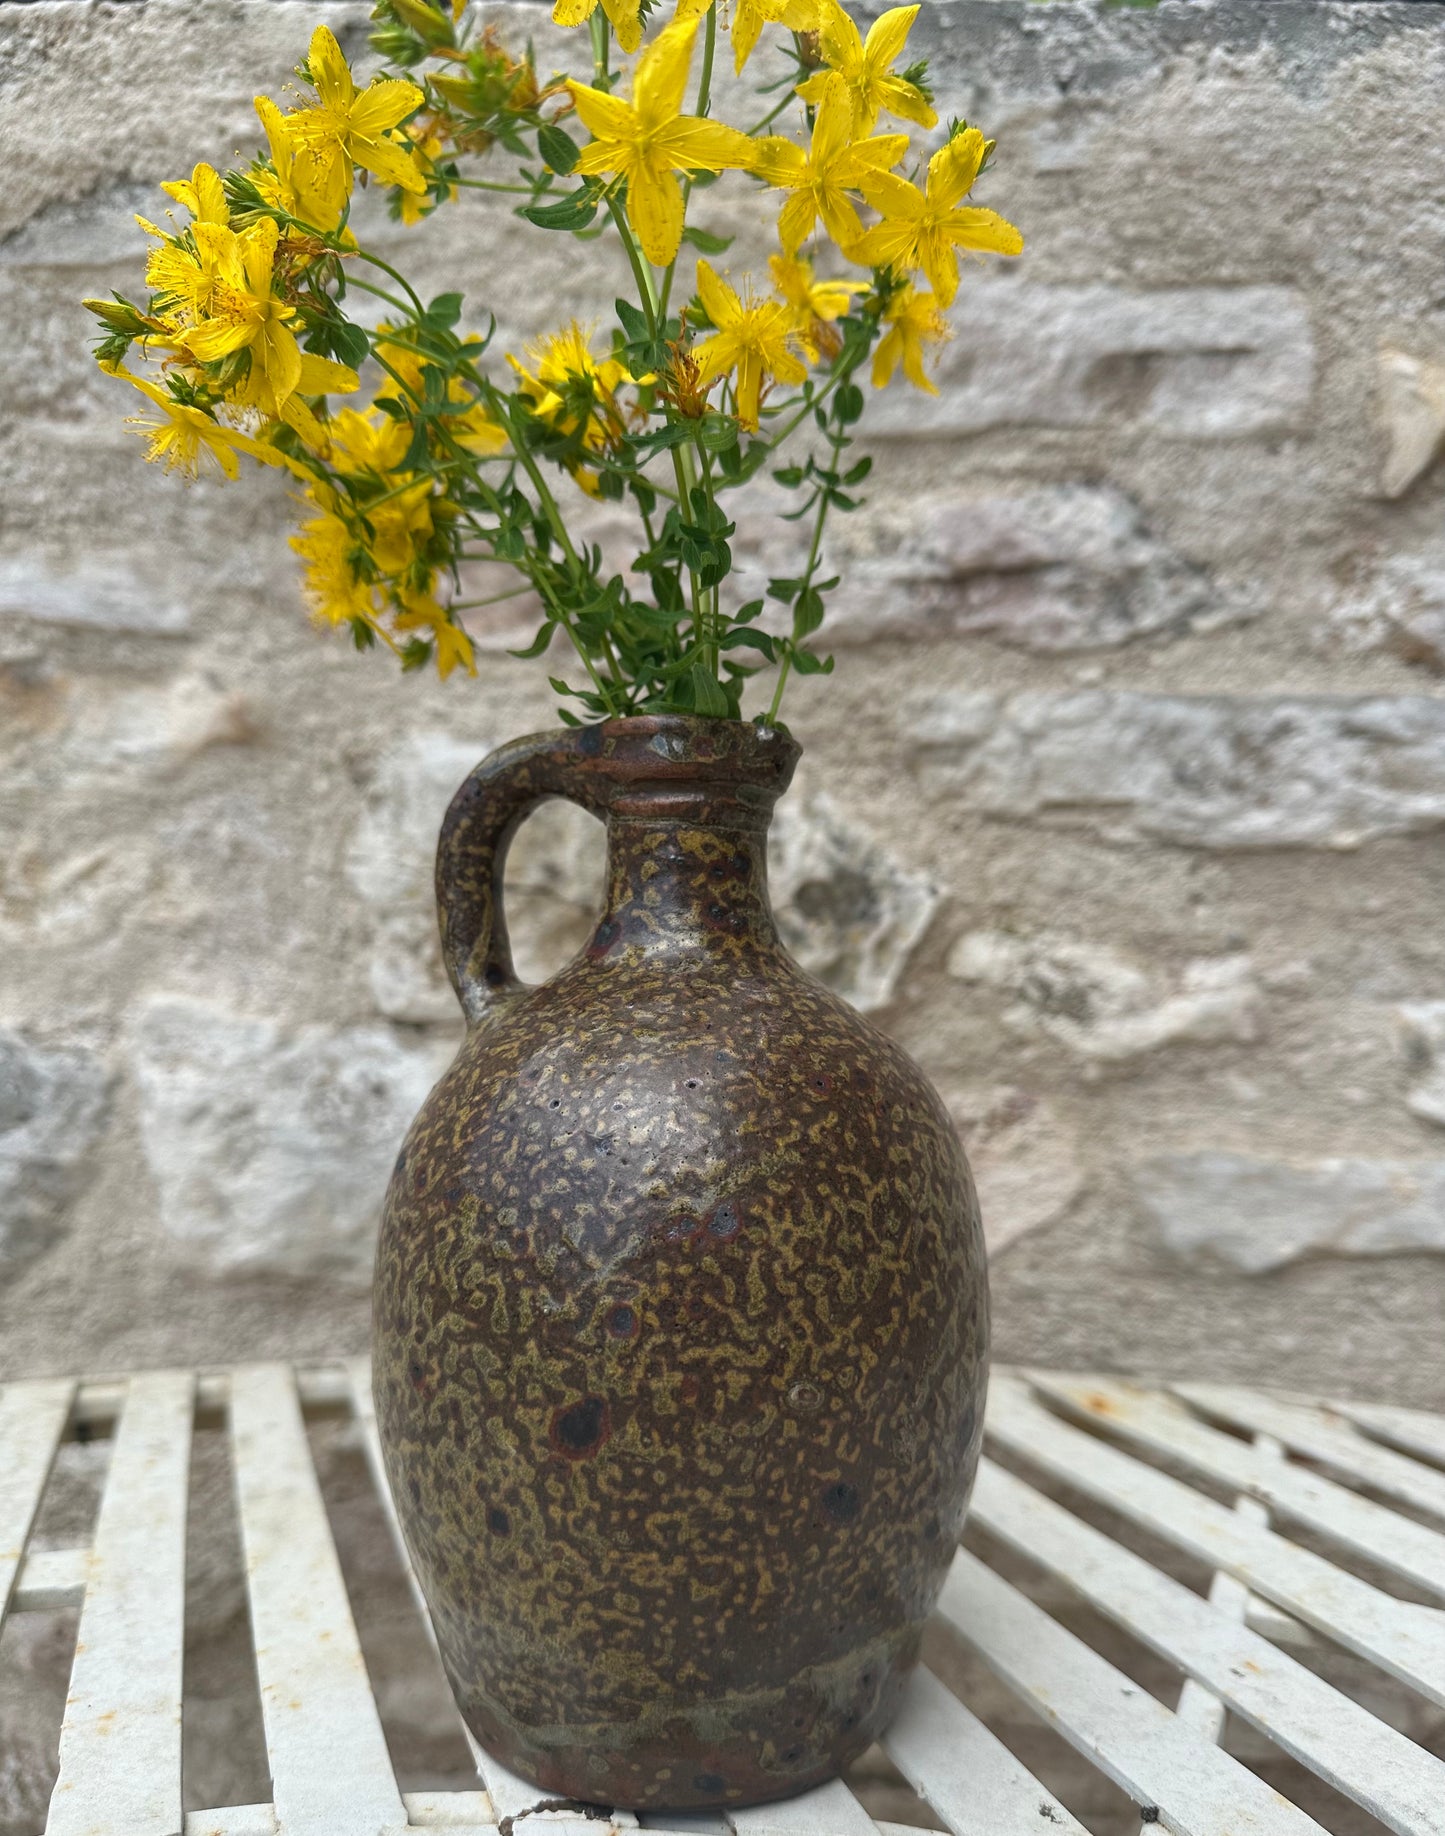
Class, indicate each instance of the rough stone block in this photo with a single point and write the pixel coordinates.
(95, 590)
(271, 1147)
(1062, 568)
(1244, 771)
(1196, 362)
(1101, 1004)
(1423, 1026)
(54, 1105)
(1256, 1215)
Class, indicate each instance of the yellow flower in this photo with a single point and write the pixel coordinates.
(816, 304)
(752, 338)
(202, 194)
(750, 16)
(914, 321)
(185, 437)
(862, 69)
(820, 178)
(328, 580)
(353, 127)
(624, 15)
(299, 181)
(926, 231)
(420, 612)
(244, 314)
(366, 442)
(648, 141)
(571, 389)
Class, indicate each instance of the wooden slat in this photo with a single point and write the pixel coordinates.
(1196, 1789)
(120, 1742)
(1388, 1775)
(964, 1773)
(830, 1810)
(32, 1420)
(1411, 1430)
(329, 1766)
(1146, 1419)
(1407, 1641)
(1323, 1437)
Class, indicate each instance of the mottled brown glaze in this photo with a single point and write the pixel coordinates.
(681, 1315)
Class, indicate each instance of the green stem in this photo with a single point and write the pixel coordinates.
(837, 440)
(475, 184)
(380, 293)
(709, 49)
(397, 276)
(598, 25)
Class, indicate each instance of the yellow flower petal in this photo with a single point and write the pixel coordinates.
(719, 300)
(329, 70)
(888, 35)
(383, 104)
(660, 80)
(906, 101)
(698, 144)
(320, 376)
(608, 117)
(573, 12)
(655, 211)
(953, 168)
(624, 16)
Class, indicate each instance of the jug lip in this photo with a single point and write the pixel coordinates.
(639, 749)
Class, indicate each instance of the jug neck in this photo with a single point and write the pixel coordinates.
(688, 805)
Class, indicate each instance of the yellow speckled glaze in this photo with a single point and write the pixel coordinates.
(681, 1312)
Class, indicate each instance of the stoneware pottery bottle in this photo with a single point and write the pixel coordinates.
(681, 1315)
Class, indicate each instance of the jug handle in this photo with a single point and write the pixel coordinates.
(478, 828)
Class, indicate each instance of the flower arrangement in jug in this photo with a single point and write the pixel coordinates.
(245, 347)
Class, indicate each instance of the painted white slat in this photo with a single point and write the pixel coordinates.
(1388, 1775)
(1146, 1419)
(830, 1810)
(1411, 1430)
(329, 1766)
(50, 1579)
(32, 1419)
(449, 1810)
(964, 1773)
(1407, 1641)
(1196, 1789)
(1323, 1437)
(233, 1820)
(120, 1741)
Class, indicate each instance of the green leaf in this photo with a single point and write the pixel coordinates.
(848, 403)
(573, 212)
(350, 343)
(445, 309)
(634, 323)
(557, 147)
(806, 664)
(708, 696)
(717, 433)
(538, 643)
(705, 242)
(808, 613)
(857, 473)
(746, 614)
(663, 439)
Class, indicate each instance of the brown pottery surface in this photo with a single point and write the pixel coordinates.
(681, 1314)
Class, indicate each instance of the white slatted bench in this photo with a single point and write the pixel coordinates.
(1310, 1533)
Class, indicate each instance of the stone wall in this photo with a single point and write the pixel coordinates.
(1123, 810)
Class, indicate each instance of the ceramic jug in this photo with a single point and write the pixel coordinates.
(680, 1308)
